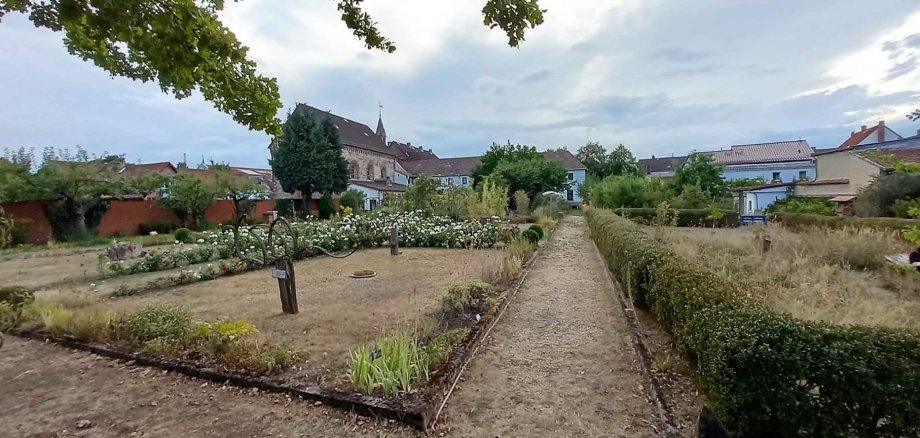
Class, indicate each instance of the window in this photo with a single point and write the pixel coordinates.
(803, 175)
(571, 176)
(370, 172)
(353, 170)
(450, 181)
(750, 206)
(776, 176)
(464, 180)
(570, 195)
(383, 173)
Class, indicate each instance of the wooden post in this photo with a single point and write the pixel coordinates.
(767, 242)
(284, 272)
(394, 241)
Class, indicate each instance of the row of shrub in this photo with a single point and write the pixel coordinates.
(801, 220)
(685, 217)
(164, 330)
(764, 372)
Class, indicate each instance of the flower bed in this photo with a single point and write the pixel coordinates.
(352, 231)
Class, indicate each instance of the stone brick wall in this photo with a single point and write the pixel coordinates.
(381, 166)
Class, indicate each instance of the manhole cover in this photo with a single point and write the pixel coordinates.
(363, 274)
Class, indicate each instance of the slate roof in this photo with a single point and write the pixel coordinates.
(762, 153)
(352, 133)
(442, 166)
(407, 152)
(379, 185)
(662, 164)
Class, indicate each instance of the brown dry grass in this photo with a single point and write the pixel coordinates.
(838, 276)
(338, 314)
(44, 271)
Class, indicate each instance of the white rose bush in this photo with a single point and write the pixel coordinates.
(337, 234)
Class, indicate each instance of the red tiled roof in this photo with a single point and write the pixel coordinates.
(857, 137)
(781, 151)
(163, 166)
(569, 161)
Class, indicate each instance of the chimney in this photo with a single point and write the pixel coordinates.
(653, 157)
(881, 131)
(862, 128)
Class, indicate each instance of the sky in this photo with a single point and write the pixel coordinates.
(662, 77)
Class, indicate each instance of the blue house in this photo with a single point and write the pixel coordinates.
(458, 171)
(779, 164)
(783, 161)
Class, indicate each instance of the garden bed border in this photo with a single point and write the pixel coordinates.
(420, 412)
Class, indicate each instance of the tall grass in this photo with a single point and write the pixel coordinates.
(838, 276)
(394, 365)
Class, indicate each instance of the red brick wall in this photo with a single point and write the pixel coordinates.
(30, 215)
(222, 211)
(124, 217)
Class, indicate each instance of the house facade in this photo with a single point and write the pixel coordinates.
(776, 162)
(661, 167)
(843, 172)
(865, 136)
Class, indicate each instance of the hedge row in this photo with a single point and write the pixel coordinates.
(764, 372)
(685, 217)
(799, 220)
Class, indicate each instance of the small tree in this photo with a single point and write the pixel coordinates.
(354, 199)
(594, 157)
(622, 162)
(420, 195)
(325, 207)
(308, 157)
(6, 229)
(701, 170)
(521, 203)
(239, 189)
(188, 196)
(620, 192)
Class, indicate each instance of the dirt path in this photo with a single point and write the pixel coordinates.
(49, 391)
(558, 363)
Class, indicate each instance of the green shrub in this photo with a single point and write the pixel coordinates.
(325, 206)
(184, 235)
(531, 235)
(161, 227)
(9, 317)
(162, 323)
(685, 218)
(798, 221)
(16, 296)
(353, 198)
(766, 373)
(439, 347)
(465, 300)
(538, 229)
(819, 206)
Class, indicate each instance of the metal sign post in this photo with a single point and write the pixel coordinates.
(279, 255)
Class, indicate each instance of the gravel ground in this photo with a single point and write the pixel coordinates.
(558, 363)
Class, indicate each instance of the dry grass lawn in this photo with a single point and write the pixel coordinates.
(39, 272)
(839, 276)
(337, 313)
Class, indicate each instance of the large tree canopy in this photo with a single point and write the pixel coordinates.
(182, 45)
(533, 175)
(600, 164)
(700, 170)
(308, 156)
(502, 152)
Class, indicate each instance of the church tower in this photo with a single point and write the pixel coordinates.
(381, 132)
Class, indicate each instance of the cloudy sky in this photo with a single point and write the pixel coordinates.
(660, 76)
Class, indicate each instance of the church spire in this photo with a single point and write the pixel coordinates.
(381, 132)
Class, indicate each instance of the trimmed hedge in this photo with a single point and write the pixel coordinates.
(800, 220)
(685, 217)
(765, 372)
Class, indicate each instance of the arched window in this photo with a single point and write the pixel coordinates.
(383, 172)
(354, 170)
(370, 172)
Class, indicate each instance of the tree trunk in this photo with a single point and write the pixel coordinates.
(306, 195)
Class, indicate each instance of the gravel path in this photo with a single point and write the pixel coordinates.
(558, 363)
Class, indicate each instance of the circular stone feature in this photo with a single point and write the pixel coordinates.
(363, 274)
